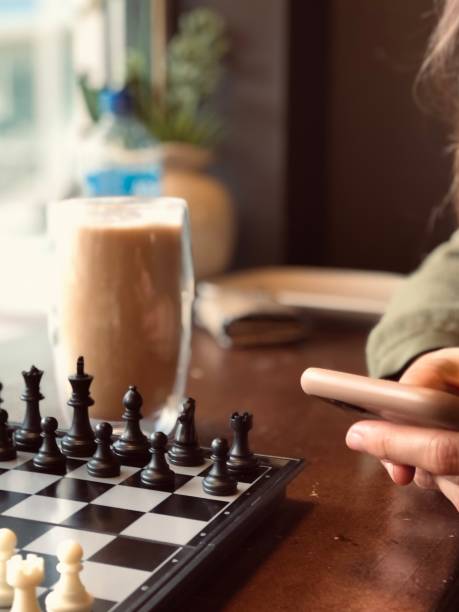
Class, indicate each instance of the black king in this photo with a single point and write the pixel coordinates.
(80, 439)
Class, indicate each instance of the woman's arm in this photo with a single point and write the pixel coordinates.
(422, 316)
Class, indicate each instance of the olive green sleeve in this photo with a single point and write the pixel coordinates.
(423, 315)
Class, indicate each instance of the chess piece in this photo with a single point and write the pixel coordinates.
(185, 449)
(219, 481)
(25, 575)
(69, 594)
(158, 473)
(7, 448)
(79, 441)
(8, 542)
(104, 463)
(27, 437)
(132, 446)
(241, 460)
(49, 457)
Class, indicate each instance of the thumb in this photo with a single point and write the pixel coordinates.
(435, 370)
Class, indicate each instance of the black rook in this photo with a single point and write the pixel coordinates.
(241, 460)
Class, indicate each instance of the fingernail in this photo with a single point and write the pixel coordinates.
(389, 468)
(354, 439)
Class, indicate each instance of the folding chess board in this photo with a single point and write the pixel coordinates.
(143, 548)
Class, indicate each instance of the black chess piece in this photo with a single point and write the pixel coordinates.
(79, 441)
(49, 458)
(185, 449)
(241, 460)
(28, 436)
(219, 481)
(131, 447)
(158, 473)
(104, 463)
(7, 448)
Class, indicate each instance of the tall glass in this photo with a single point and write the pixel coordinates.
(122, 298)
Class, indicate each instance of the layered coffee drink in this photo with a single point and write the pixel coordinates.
(121, 301)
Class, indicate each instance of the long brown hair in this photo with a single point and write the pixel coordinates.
(440, 73)
(441, 63)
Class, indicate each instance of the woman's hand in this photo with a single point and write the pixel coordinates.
(430, 457)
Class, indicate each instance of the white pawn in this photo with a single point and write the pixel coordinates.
(25, 575)
(69, 594)
(8, 542)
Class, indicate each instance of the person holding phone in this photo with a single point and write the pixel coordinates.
(417, 340)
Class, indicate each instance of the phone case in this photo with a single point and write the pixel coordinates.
(392, 401)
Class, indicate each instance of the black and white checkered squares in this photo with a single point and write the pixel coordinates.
(130, 534)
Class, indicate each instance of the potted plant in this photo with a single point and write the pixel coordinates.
(181, 117)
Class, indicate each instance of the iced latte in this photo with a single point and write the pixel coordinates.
(121, 300)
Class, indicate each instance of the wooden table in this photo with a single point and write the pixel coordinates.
(345, 538)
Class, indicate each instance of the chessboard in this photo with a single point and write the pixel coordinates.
(144, 548)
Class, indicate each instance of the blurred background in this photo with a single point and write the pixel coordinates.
(291, 127)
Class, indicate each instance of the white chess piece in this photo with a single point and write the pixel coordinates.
(8, 542)
(69, 594)
(25, 575)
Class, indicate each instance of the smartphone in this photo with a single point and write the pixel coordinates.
(391, 401)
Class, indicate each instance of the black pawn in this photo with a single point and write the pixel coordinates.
(185, 449)
(241, 460)
(49, 456)
(79, 440)
(28, 436)
(132, 446)
(219, 481)
(104, 463)
(158, 473)
(7, 449)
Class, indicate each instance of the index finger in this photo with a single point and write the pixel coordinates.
(433, 450)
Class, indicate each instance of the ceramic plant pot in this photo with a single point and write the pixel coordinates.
(211, 209)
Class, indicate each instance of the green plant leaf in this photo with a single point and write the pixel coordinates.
(90, 96)
(182, 112)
